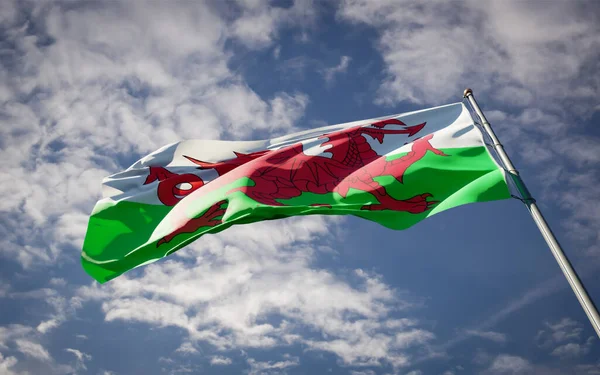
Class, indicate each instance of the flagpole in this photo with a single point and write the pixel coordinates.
(562, 260)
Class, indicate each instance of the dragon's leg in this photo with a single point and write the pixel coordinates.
(415, 205)
(419, 148)
(209, 218)
(268, 191)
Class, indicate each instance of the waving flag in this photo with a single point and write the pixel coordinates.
(396, 171)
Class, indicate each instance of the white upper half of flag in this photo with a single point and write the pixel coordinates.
(452, 126)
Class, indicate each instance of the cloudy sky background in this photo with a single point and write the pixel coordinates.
(86, 88)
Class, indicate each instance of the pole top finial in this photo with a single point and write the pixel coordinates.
(467, 92)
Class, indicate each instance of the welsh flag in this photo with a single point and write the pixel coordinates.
(395, 170)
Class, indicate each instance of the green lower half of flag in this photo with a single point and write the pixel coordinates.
(118, 237)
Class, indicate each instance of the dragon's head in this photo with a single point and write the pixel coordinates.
(379, 129)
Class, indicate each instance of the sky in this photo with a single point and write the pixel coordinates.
(87, 88)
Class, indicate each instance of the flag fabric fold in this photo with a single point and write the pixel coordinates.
(395, 170)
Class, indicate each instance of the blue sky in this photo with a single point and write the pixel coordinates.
(87, 88)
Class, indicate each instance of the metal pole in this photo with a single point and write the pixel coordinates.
(578, 288)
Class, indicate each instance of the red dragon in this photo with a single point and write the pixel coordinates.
(288, 172)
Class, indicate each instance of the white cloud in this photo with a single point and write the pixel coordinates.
(505, 364)
(330, 73)
(244, 112)
(259, 368)
(4, 289)
(588, 369)
(224, 290)
(62, 308)
(527, 298)
(32, 349)
(78, 354)
(26, 341)
(80, 357)
(509, 364)
(572, 349)
(58, 281)
(156, 312)
(489, 335)
(260, 21)
(187, 348)
(47, 325)
(6, 363)
(11, 332)
(220, 361)
(32, 356)
(564, 330)
(433, 50)
(564, 339)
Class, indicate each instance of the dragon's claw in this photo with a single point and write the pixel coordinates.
(419, 198)
(415, 205)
